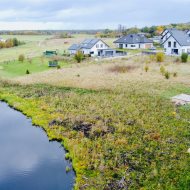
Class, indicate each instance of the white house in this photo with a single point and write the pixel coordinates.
(2, 40)
(176, 42)
(91, 47)
(134, 41)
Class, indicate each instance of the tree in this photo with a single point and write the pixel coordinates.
(21, 58)
(79, 56)
(184, 57)
(15, 42)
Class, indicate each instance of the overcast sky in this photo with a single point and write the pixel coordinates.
(90, 14)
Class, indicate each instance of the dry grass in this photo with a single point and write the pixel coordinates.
(122, 68)
(97, 75)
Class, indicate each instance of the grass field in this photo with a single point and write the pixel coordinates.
(37, 44)
(115, 119)
(16, 68)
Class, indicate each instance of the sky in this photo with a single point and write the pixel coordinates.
(90, 14)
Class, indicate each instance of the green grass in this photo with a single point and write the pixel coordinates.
(15, 68)
(135, 132)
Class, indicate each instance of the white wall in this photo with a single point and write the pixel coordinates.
(99, 46)
(72, 52)
(134, 46)
(181, 49)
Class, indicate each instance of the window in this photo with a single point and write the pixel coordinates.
(102, 45)
(97, 45)
(125, 45)
(174, 44)
(169, 44)
(132, 45)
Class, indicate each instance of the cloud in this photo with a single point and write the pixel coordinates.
(73, 14)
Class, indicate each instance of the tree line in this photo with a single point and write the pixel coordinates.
(12, 42)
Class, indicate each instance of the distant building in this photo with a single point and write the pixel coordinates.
(50, 53)
(134, 41)
(92, 47)
(2, 40)
(176, 41)
(156, 39)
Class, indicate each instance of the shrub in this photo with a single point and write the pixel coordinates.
(175, 74)
(21, 58)
(146, 68)
(160, 57)
(162, 70)
(184, 57)
(79, 56)
(177, 60)
(27, 72)
(167, 75)
(58, 67)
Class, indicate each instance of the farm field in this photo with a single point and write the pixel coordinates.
(115, 117)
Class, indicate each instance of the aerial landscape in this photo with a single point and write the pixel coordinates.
(94, 95)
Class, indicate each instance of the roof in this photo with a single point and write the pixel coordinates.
(86, 44)
(180, 36)
(74, 47)
(133, 39)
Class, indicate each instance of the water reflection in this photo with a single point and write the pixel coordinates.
(27, 159)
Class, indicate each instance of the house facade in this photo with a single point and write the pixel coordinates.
(134, 41)
(92, 47)
(176, 42)
(2, 40)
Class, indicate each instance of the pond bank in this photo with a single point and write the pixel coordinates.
(29, 160)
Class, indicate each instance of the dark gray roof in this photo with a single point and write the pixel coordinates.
(180, 36)
(86, 44)
(133, 39)
(74, 47)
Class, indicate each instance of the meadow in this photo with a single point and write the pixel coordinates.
(115, 118)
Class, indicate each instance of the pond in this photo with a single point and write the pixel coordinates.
(27, 159)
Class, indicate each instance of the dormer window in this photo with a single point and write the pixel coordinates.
(175, 44)
(97, 45)
(169, 44)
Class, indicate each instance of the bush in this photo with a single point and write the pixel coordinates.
(146, 68)
(21, 58)
(177, 60)
(79, 56)
(167, 75)
(58, 67)
(162, 70)
(160, 57)
(27, 72)
(175, 74)
(184, 57)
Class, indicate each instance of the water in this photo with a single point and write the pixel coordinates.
(28, 161)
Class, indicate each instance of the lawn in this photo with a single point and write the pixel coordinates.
(14, 69)
(115, 119)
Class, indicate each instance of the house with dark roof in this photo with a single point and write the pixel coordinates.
(2, 40)
(134, 41)
(92, 47)
(176, 42)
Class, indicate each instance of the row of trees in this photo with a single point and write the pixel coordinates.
(10, 43)
(149, 31)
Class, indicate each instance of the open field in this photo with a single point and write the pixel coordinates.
(37, 44)
(97, 75)
(115, 119)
